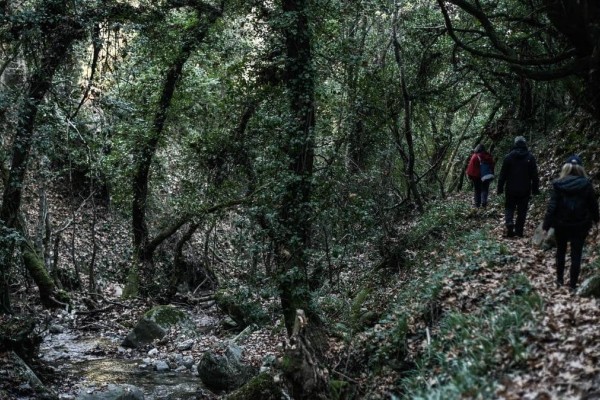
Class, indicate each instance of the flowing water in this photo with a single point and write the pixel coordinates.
(93, 363)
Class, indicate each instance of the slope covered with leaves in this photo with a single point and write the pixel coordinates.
(481, 317)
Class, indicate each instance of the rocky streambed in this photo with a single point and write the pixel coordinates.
(162, 357)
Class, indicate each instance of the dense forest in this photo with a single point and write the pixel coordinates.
(267, 199)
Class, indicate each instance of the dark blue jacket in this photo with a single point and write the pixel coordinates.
(579, 190)
(519, 173)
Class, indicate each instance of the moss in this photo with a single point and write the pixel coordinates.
(165, 315)
(261, 387)
(289, 364)
(337, 389)
(241, 307)
(132, 288)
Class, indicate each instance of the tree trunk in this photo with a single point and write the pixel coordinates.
(141, 275)
(179, 261)
(295, 213)
(59, 34)
(409, 167)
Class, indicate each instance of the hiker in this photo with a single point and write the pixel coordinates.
(518, 180)
(481, 172)
(571, 211)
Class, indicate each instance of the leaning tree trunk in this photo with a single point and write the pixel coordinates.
(141, 275)
(59, 33)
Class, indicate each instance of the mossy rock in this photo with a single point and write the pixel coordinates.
(224, 371)
(154, 325)
(261, 387)
(165, 316)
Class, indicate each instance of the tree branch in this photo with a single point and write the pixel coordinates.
(505, 54)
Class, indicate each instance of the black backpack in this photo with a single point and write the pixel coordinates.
(572, 208)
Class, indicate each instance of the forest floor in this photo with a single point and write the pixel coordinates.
(561, 343)
(552, 354)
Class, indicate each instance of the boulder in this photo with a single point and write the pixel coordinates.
(224, 371)
(153, 325)
(144, 332)
(261, 387)
(590, 287)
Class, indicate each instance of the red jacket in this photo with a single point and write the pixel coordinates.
(476, 158)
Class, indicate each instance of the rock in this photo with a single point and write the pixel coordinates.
(112, 392)
(30, 381)
(590, 287)
(261, 387)
(187, 345)
(161, 366)
(188, 361)
(267, 363)
(153, 352)
(176, 358)
(224, 371)
(56, 329)
(228, 323)
(154, 324)
(144, 332)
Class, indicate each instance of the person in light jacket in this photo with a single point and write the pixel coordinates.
(481, 184)
(571, 211)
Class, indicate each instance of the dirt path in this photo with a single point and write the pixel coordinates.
(564, 343)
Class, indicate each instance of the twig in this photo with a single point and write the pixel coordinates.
(346, 377)
(95, 311)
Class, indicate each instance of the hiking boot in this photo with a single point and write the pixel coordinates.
(510, 231)
(519, 232)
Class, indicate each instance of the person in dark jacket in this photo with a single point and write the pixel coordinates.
(481, 184)
(572, 210)
(518, 180)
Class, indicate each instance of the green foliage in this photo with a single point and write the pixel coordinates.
(470, 350)
(338, 390)
(357, 304)
(387, 343)
(442, 220)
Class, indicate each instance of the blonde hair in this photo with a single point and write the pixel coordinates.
(572, 170)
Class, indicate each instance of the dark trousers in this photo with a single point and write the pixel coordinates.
(576, 236)
(481, 191)
(520, 205)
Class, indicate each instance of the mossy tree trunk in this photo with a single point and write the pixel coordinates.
(58, 35)
(295, 213)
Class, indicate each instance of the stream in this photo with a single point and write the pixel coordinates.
(93, 363)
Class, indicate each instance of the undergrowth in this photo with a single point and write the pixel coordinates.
(439, 349)
(470, 349)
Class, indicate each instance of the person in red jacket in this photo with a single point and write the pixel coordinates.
(481, 172)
